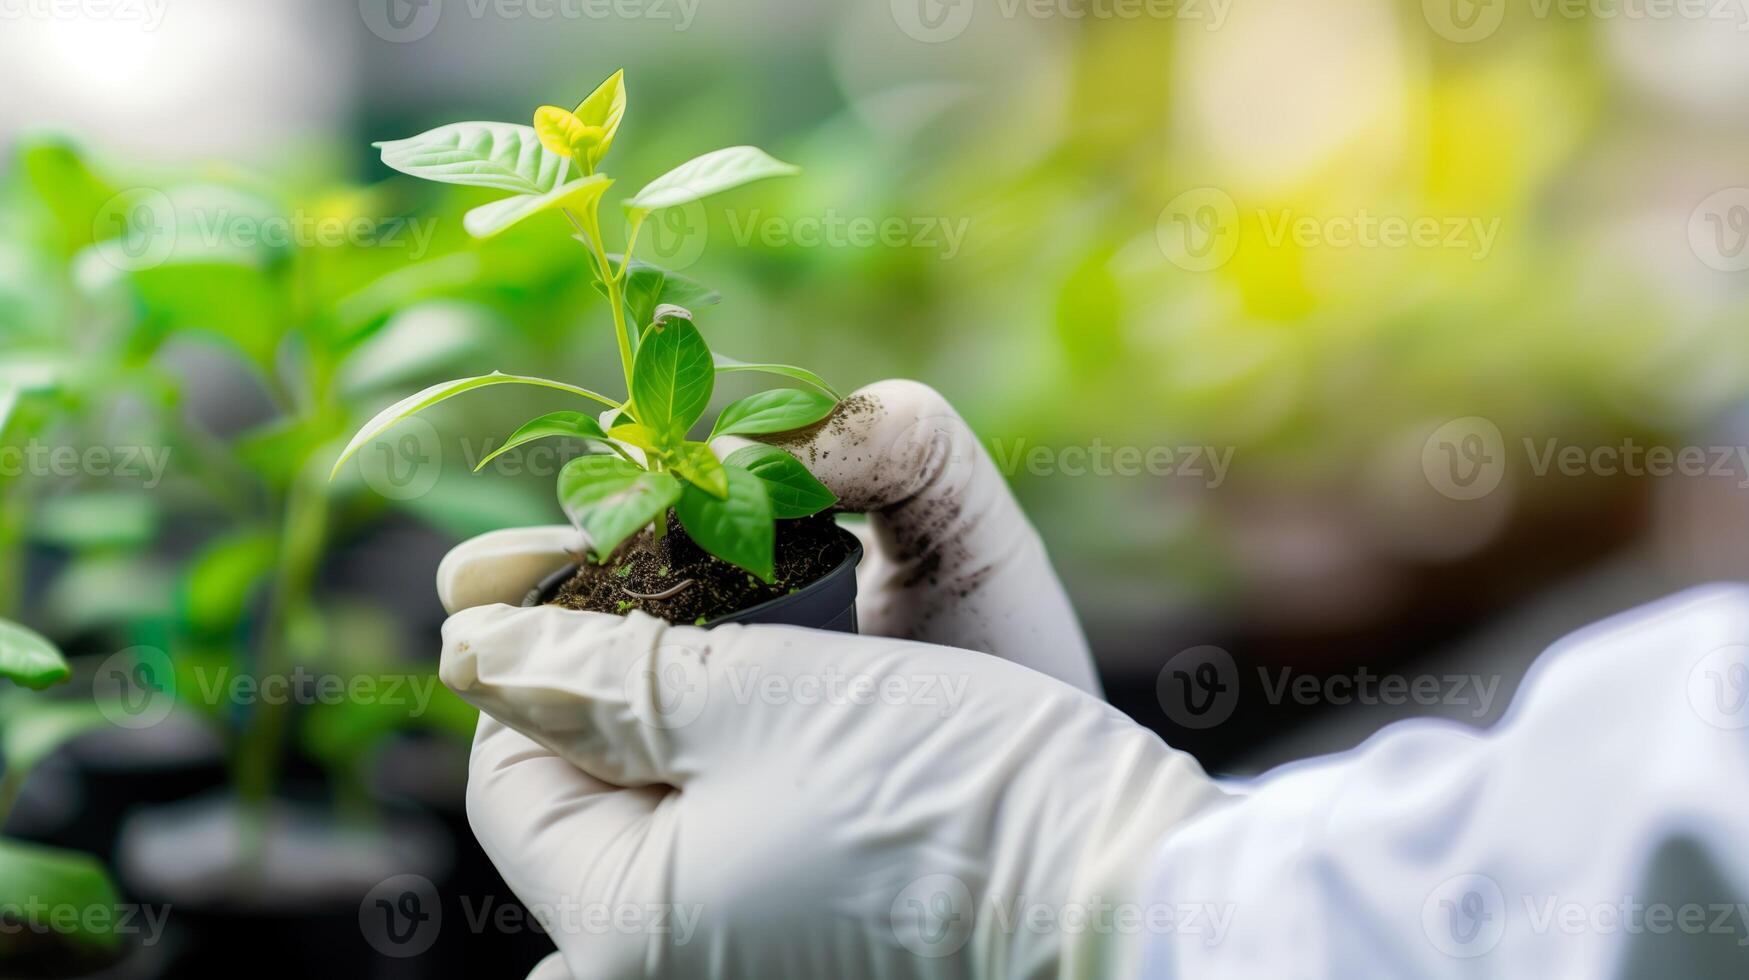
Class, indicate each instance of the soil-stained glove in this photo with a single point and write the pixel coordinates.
(951, 557)
(780, 803)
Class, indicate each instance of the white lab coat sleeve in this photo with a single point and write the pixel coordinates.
(1600, 830)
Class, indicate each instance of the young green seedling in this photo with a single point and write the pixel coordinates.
(641, 462)
(31, 729)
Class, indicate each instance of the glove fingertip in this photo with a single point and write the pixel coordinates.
(458, 667)
(551, 968)
(502, 566)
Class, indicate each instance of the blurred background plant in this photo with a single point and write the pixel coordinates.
(31, 729)
(1154, 216)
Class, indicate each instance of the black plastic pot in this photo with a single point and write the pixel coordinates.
(827, 603)
(323, 898)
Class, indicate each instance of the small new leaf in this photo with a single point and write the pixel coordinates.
(611, 499)
(574, 424)
(778, 410)
(737, 529)
(561, 132)
(794, 491)
(700, 467)
(672, 377)
(717, 171)
(603, 109)
(633, 434)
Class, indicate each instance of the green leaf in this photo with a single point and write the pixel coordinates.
(648, 286)
(216, 588)
(37, 372)
(700, 467)
(478, 154)
(278, 450)
(703, 176)
(561, 132)
(28, 658)
(441, 392)
(408, 285)
(672, 378)
(96, 520)
(604, 107)
(35, 727)
(633, 434)
(738, 529)
(490, 219)
(239, 302)
(68, 879)
(612, 499)
(100, 590)
(794, 491)
(343, 734)
(60, 178)
(574, 424)
(778, 410)
(728, 365)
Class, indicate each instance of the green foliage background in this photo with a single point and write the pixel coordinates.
(1056, 143)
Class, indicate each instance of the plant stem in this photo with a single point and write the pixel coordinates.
(581, 233)
(300, 550)
(637, 225)
(591, 230)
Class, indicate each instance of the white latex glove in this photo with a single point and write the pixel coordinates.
(770, 802)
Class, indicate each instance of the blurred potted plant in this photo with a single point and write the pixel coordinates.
(39, 885)
(246, 521)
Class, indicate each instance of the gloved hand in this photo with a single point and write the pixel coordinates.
(769, 802)
(948, 556)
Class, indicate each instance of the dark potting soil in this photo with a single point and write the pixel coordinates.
(694, 586)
